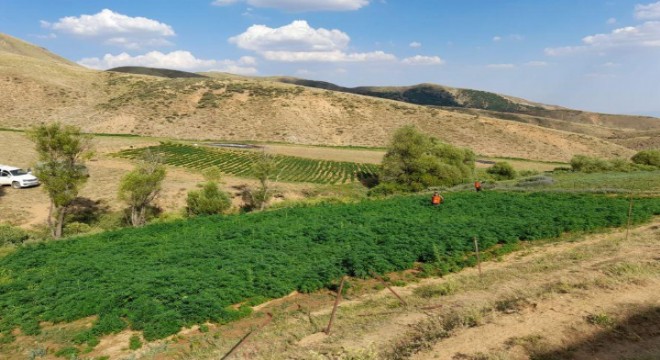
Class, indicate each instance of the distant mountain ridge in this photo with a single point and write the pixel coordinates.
(166, 73)
(443, 96)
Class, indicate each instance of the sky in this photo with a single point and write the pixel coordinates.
(591, 55)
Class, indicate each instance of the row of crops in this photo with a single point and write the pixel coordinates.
(161, 277)
(240, 163)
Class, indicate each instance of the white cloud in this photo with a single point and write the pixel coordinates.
(611, 21)
(179, 60)
(115, 28)
(298, 42)
(501, 66)
(646, 35)
(301, 5)
(610, 65)
(648, 12)
(224, 2)
(536, 63)
(510, 37)
(423, 60)
(415, 44)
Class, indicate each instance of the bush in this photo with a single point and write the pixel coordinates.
(76, 228)
(647, 157)
(385, 189)
(502, 171)
(11, 235)
(134, 342)
(587, 164)
(416, 161)
(207, 201)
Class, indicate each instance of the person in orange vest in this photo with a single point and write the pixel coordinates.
(477, 185)
(436, 199)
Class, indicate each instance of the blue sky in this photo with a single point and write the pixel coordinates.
(586, 54)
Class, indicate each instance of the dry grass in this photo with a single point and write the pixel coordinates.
(36, 90)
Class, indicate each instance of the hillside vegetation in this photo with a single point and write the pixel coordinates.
(161, 277)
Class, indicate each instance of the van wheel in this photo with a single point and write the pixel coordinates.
(16, 185)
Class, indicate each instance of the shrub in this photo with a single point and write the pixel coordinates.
(11, 235)
(134, 342)
(207, 201)
(502, 171)
(416, 161)
(587, 164)
(75, 228)
(385, 189)
(647, 157)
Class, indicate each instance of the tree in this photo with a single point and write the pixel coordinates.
(415, 161)
(140, 187)
(502, 171)
(62, 151)
(264, 169)
(647, 157)
(209, 200)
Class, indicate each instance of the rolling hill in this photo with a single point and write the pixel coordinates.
(38, 86)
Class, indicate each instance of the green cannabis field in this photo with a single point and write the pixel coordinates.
(239, 163)
(165, 276)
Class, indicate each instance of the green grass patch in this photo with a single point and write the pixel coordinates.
(161, 277)
(610, 181)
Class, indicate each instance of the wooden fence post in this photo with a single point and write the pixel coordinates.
(630, 209)
(389, 288)
(476, 248)
(334, 308)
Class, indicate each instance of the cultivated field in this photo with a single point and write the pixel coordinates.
(240, 162)
(162, 277)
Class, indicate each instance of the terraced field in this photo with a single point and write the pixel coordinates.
(239, 163)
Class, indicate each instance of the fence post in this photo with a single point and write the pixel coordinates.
(389, 288)
(630, 209)
(244, 338)
(334, 308)
(476, 248)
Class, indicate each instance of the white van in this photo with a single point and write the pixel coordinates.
(16, 177)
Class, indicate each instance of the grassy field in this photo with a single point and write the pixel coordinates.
(639, 181)
(165, 276)
(240, 162)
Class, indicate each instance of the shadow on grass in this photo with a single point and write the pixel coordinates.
(636, 337)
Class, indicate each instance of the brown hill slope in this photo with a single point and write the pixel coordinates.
(499, 105)
(12, 45)
(36, 89)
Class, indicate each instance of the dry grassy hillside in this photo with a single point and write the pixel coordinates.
(38, 89)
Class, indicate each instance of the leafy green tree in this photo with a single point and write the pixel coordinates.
(208, 200)
(416, 161)
(140, 187)
(264, 169)
(647, 157)
(502, 171)
(62, 151)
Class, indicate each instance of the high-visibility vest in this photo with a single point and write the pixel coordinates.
(436, 200)
(477, 185)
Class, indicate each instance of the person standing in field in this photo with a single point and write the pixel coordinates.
(436, 199)
(477, 186)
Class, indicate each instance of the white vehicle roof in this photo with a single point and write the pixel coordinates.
(7, 167)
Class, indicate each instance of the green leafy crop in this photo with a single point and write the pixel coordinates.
(161, 277)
